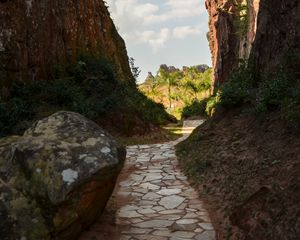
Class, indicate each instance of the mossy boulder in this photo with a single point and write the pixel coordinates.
(56, 179)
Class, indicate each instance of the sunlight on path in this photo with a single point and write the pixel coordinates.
(155, 201)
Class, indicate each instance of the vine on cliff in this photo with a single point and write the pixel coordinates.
(241, 22)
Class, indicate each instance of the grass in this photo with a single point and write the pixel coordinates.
(163, 134)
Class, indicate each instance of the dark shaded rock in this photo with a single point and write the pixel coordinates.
(278, 33)
(57, 177)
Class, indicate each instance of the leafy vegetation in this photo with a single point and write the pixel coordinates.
(241, 22)
(89, 87)
(196, 108)
(277, 91)
(134, 69)
(180, 91)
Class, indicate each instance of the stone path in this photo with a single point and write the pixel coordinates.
(157, 201)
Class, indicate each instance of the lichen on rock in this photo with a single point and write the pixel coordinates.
(56, 179)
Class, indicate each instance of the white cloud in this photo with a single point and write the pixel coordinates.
(160, 40)
(175, 9)
(186, 31)
(143, 10)
(148, 13)
(186, 8)
(156, 40)
(148, 23)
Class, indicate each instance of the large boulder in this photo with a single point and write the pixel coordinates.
(56, 179)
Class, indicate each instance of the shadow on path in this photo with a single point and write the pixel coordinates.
(153, 199)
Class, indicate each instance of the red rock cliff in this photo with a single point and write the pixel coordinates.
(278, 32)
(264, 30)
(232, 31)
(37, 35)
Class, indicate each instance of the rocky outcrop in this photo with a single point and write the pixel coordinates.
(38, 36)
(278, 33)
(261, 30)
(223, 39)
(171, 69)
(200, 68)
(55, 180)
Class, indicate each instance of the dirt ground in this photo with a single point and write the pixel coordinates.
(247, 169)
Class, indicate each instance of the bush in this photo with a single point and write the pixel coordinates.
(278, 91)
(11, 112)
(150, 111)
(196, 108)
(212, 104)
(238, 89)
(272, 92)
(90, 87)
(290, 106)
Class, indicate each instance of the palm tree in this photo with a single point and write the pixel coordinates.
(169, 78)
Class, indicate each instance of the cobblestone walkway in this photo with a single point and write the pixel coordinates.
(160, 204)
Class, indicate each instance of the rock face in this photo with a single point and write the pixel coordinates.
(38, 36)
(55, 180)
(260, 30)
(278, 32)
(223, 41)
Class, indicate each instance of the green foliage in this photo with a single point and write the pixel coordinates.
(234, 93)
(90, 87)
(290, 106)
(241, 22)
(170, 79)
(277, 91)
(272, 92)
(11, 112)
(134, 69)
(179, 90)
(197, 108)
(137, 102)
(212, 104)
(238, 89)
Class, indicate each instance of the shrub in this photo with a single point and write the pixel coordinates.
(212, 104)
(90, 87)
(150, 111)
(277, 91)
(290, 106)
(11, 112)
(196, 108)
(272, 92)
(238, 90)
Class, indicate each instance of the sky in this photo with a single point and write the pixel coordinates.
(156, 32)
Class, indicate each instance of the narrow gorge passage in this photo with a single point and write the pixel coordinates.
(154, 200)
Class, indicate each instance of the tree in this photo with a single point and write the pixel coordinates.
(169, 78)
(134, 69)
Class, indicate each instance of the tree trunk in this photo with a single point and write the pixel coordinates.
(169, 92)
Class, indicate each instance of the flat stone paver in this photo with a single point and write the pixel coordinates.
(158, 203)
(170, 207)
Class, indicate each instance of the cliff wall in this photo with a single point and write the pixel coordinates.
(263, 30)
(277, 33)
(37, 36)
(224, 43)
